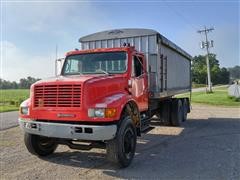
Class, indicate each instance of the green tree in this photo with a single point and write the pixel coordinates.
(199, 70)
(24, 83)
(224, 76)
(234, 72)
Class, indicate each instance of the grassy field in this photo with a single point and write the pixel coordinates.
(10, 99)
(219, 97)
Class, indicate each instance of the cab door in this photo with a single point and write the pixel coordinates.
(139, 83)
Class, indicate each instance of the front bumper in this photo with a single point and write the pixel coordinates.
(69, 131)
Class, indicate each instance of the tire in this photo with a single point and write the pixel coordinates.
(185, 109)
(165, 112)
(121, 149)
(39, 145)
(177, 112)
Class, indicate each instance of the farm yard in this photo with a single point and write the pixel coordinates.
(126, 90)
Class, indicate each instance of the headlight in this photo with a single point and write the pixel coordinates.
(102, 112)
(99, 112)
(24, 110)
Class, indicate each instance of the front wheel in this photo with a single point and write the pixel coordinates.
(121, 149)
(39, 145)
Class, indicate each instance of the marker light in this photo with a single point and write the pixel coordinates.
(110, 112)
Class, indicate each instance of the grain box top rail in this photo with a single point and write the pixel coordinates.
(126, 33)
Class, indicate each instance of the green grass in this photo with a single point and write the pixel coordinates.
(10, 99)
(219, 97)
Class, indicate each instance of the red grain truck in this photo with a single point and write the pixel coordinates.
(107, 93)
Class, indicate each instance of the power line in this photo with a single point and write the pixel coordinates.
(183, 18)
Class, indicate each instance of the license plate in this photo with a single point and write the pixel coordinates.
(28, 125)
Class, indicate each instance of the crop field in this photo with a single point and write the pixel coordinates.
(10, 99)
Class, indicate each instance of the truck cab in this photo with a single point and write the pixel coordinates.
(95, 91)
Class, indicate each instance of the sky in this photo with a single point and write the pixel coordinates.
(31, 30)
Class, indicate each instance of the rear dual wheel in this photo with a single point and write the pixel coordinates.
(177, 112)
(185, 105)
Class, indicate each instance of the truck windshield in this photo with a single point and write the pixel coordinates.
(95, 63)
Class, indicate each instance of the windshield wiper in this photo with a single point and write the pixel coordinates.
(101, 70)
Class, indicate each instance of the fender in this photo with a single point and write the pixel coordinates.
(116, 100)
(25, 103)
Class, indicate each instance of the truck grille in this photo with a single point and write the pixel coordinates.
(57, 95)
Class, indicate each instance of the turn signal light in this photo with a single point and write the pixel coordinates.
(110, 112)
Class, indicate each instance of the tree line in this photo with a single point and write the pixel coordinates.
(218, 75)
(24, 83)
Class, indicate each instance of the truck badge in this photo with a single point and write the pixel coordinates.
(40, 102)
(61, 115)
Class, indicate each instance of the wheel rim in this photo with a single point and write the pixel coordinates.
(128, 143)
(45, 143)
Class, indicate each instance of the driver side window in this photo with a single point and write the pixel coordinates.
(72, 66)
(137, 66)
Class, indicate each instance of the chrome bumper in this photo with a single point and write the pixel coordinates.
(69, 131)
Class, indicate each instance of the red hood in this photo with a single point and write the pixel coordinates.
(94, 87)
(66, 79)
(77, 79)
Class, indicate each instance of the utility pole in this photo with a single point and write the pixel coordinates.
(207, 44)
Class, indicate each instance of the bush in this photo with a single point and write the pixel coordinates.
(236, 99)
(12, 102)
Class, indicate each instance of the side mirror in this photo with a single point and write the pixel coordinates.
(58, 66)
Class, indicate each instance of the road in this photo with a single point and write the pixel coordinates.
(204, 88)
(8, 120)
(206, 147)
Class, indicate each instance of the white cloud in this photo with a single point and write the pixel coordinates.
(18, 64)
(55, 17)
(54, 23)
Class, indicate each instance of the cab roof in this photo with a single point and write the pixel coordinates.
(131, 48)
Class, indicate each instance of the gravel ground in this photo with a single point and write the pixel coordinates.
(206, 147)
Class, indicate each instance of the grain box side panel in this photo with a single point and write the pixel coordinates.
(178, 70)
